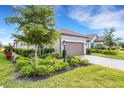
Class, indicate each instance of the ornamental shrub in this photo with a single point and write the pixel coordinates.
(21, 61)
(56, 55)
(75, 60)
(24, 52)
(84, 61)
(60, 65)
(43, 70)
(46, 61)
(110, 52)
(88, 51)
(27, 71)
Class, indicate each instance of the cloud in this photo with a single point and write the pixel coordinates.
(3, 31)
(99, 17)
(6, 41)
(5, 36)
(58, 9)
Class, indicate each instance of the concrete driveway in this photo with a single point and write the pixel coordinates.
(107, 62)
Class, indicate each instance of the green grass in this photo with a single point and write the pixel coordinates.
(90, 76)
(119, 56)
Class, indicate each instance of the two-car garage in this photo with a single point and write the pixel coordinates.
(74, 48)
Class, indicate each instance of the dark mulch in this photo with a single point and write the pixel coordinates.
(35, 78)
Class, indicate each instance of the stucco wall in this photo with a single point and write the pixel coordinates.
(70, 39)
(92, 41)
(98, 43)
(21, 44)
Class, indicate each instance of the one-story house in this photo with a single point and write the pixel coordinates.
(75, 43)
(93, 40)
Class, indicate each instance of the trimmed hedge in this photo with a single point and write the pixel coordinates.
(107, 52)
(24, 52)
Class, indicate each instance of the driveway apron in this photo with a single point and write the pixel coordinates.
(107, 62)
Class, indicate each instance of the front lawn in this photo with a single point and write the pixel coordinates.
(89, 76)
(120, 55)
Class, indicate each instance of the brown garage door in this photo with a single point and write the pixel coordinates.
(73, 48)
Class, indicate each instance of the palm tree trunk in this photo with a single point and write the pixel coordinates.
(36, 48)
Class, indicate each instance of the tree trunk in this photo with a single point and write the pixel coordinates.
(36, 48)
(42, 51)
(27, 46)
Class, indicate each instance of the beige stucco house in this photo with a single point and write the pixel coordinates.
(75, 43)
(93, 40)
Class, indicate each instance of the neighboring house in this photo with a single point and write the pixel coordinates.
(93, 40)
(21, 44)
(75, 43)
(99, 40)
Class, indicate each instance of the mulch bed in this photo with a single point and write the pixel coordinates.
(17, 76)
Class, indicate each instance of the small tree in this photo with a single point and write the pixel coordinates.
(36, 24)
(109, 38)
(122, 44)
(0, 44)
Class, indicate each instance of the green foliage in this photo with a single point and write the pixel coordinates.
(122, 44)
(26, 71)
(53, 55)
(77, 60)
(60, 65)
(56, 55)
(35, 21)
(24, 52)
(109, 38)
(46, 66)
(9, 47)
(43, 70)
(21, 61)
(108, 52)
(46, 61)
(88, 51)
(90, 76)
(48, 50)
(68, 59)
(100, 46)
(122, 49)
(84, 61)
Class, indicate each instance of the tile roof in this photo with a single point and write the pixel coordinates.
(99, 39)
(68, 32)
(91, 36)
